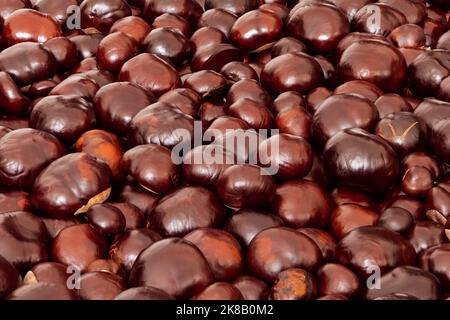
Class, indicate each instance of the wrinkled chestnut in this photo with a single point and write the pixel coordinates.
(276, 249)
(162, 124)
(66, 117)
(24, 153)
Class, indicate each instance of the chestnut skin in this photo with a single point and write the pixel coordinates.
(383, 248)
(187, 100)
(219, 19)
(251, 288)
(219, 291)
(100, 286)
(90, 178)
(201, 209)
(143, 293)
(28, 62)
(27, 25)
(114, 50)
(292, 72)
(408, 280)
(152, 167)
(47, 272)
(162, 78)
(256, 30)
(436, 260)
(302, 203)
(295, 121)
(13, 201)
(24, 239)
(78, 246)
(343, 111)
(106, 219)
(322, 239)
(134, 27)
(101, 14)
(348, 217)
(320, 26)
(169, 20)
(173, 265)
(276, 249)
(336, 279)
(188, 9)
(245, 224)
(66, 117)
(389, 74)
(376, 157)
(162, 124)
(12, 101)
(426, 234)
(43, 291)
(168, 43)
(242, 186)
(294, 157)
(9, 278)
(389, 19)
(294, 284)
(390, 103)
(24, 153)
(221, 250)
(237, 7)
(257, 115)
(396, 219)
(117, 103)
(127, 246)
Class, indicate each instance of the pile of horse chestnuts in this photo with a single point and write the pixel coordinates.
(327, 123)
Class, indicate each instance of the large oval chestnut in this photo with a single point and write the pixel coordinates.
(78, 246)
(24, 153)
(221, 250)
(117, 103)
(173, 265)
(101, 14)
(201, 209)
(71, 185)
(114, 50)
(355, 158)
(276, 249)
(382, 248)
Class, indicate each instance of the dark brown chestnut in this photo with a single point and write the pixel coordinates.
(355, 158)
(219, 291)
(168, 43)
(173, 265)
(335, 279)
(24, 153)
(276, 249)
(201, 209)
(348, 217)
(101, 14)
(100, 286)
(134, 27)
(114, 50)
(251, 288)
(106, 219)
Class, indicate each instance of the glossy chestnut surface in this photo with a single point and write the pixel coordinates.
(173, 265)
(335, 279)
(356, 158)
(90, 178)
(265, 259)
